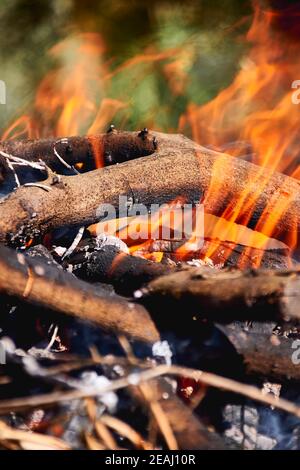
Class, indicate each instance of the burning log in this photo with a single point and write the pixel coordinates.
(124, 271)
(128, 273)
(36, 282)
(224, 296)
(179, 167)
(92, 151)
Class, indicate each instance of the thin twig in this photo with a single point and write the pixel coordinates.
(74, 244)
(62, 161)
(38, 185)
(137, 378)
(42, 441)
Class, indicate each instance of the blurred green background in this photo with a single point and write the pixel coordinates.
(205, 37)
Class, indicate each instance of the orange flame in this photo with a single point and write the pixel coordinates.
(254, 118)
(256, 112)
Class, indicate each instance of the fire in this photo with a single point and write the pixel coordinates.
(254, 118)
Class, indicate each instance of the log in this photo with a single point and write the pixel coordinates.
(228, 295)
(128, 273)
(36, 282)
(124, 271)
(92, 150)
(264, 354)
(178, 168)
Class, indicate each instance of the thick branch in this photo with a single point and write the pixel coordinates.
(224, 296)
(128, 273)
(264, 353)
(178, 168)
(98, 150)
(36, 282)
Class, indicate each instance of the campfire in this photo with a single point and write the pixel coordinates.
(149, 280)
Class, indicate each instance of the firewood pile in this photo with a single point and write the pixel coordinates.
(108, 347)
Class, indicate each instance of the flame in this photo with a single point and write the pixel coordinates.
(253, 118)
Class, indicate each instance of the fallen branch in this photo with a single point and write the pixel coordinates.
(224, 296)
(264, 353)
(36, 282)
(124, 271)
(178, 168)
(92, 151)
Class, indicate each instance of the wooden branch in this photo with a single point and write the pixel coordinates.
(189, 431)
(128, 273)
(35, 282)
(94, 150)
(224, 296)
(264, 353)
(125, 272)
(178, 168)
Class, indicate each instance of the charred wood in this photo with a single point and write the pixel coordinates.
(35, 282)
(124, 271)
(264, 353)
(227, 295)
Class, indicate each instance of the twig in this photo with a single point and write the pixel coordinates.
(46, 442)
(62, 161)
(137, 378)
(38, 185)
(74, 244)
(123, 429)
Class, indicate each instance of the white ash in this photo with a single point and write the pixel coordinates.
(201, 262)
(103, 240)
(8, 344)
(92, 380)
(134, 378)
(244, 428)
(272, 388)
(39, 270)
(119, 370)
(60, 250)
(39, 353)
(162, 349)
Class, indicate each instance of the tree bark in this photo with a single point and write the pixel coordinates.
(36, 282)
(224, 296)
(264, 354)
(179, 168)
(93, 151)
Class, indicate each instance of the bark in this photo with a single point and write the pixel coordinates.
(94, 150)
(38, 283)
(265, 354)
(125, 272)
(224, 296)
(178, 168)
